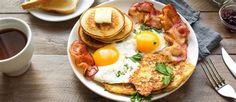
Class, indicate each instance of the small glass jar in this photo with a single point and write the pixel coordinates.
(227, 15)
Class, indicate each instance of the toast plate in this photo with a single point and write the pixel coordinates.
(124, 5)
(53, 17)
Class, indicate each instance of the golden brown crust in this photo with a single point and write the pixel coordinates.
(89, 41)
(124, 89)
(183, 72)
(55, 6)
(146, 79)
(62, 8)
(32, 4)
(60, 11)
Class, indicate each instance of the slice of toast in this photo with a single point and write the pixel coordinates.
(58, 6)
(32, 4)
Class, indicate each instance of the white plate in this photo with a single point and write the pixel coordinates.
(53, 17)
(124, 6)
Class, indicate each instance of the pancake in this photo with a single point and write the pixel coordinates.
(89, 41)
(103, 30)
(125, 32)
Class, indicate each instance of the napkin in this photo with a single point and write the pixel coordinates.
(207, 38)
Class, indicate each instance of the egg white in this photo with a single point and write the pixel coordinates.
(126, 49)
(162, 42)
(109, 73)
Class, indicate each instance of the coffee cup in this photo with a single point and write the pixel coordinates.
(20, 62)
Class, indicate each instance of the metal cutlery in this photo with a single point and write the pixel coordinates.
(216, 80)
(229, 62)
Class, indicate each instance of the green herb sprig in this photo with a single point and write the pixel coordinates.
(119, 73)
(136, 58)
(146, 28)
(136, 97)
(167, 71)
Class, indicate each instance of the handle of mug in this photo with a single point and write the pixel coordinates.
(222, 3)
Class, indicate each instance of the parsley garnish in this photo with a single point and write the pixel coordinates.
(148, 98)
(136, 97)
(163, 69)
(126, 66)
(160, 67)
(136, 58)
(157, 30)
(143, 27)
(135, 31)
(146, 28)
(119, 73)
(166, 80)
(167, 71)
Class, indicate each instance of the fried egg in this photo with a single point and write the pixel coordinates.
(149, 41)
(114, 62)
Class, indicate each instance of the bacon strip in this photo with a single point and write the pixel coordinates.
(176, 34)
(144, 12)
(83, 59)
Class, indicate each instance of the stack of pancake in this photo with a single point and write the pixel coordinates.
(97, 35)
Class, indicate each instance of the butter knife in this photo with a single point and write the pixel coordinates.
(229, 62)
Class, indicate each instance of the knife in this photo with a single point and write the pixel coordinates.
(229, 62)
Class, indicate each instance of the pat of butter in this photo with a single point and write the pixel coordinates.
(103, 15)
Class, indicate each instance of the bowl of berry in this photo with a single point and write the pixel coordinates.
(227, 15)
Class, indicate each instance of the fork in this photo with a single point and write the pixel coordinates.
(216, 80)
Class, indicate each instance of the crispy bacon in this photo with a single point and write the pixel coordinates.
(179, 33)
(146, 79)
(176, 34)
(175, 53)
(169, 17)
(144, 12)
(83, 59)
(173, 24)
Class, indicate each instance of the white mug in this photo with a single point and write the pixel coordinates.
(19, 63)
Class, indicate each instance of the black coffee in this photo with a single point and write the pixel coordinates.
(12, 41)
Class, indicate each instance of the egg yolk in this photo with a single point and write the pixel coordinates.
(147, 41)
(106, 55)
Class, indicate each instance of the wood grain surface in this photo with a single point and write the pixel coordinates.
(50, 78)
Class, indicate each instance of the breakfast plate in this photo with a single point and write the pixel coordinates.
(124, 5)
(53, 17)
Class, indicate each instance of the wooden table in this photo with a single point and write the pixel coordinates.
(50, 78)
